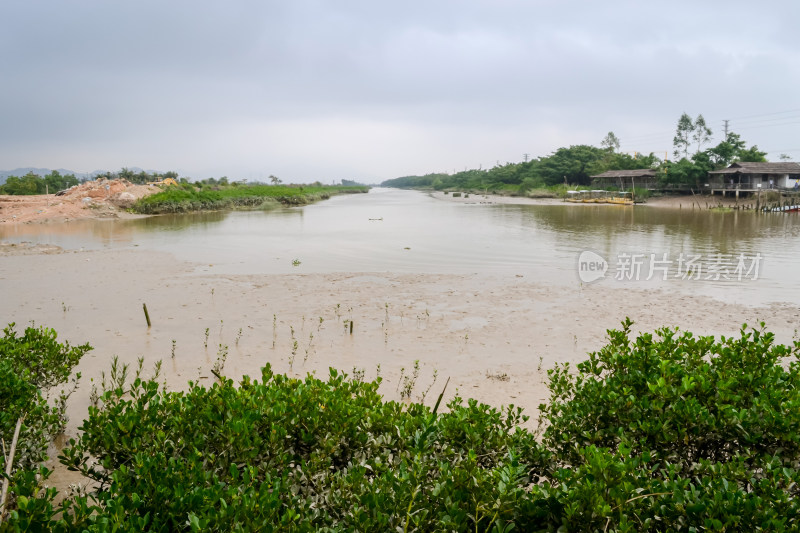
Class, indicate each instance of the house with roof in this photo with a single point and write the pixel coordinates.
(744, 176)
(642, 178)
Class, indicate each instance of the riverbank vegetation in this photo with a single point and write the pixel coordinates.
(206, 196)
(659, 432)
(572, 167)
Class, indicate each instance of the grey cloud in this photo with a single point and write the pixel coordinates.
(105, 81)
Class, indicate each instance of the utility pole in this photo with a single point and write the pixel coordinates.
(526, 157)
(726, 127)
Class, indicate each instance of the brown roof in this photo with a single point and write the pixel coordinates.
(642, 172)
(760, 168)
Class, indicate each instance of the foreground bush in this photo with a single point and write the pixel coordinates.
(31, 366)
(665, 432)
(673, 431)
(309, 454)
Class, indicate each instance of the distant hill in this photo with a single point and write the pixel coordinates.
(19, 172)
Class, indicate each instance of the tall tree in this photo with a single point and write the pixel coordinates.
(702, 133)
(683, 135)
(610, 142)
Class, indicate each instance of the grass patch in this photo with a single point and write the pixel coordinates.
(190, 198)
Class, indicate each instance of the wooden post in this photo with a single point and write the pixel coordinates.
(439, 399)
(351, 327)
(146, 314)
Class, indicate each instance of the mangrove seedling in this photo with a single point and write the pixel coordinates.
(274, 330)
(219, 364)
(409, 382)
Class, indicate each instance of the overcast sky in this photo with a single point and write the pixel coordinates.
(370, 90)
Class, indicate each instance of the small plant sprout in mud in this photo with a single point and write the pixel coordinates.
(497, 376)
(541, 360)
(358, 375)
(348, 326)
(337, 311)
(65, 307)
(219, 364)
(295, 345)
(221, 323)
(274, 330)
(174, 342)
(238, 336)
(409, 382)
(205, 342)
(378, 371)
(295, 262)
(321, 320)
(386, 308)
(308, 348)
(400, 380)
(426, 391)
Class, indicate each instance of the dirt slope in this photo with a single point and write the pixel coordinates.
(101, 198)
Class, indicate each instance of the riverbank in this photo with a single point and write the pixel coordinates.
(117, 199)
(677, 201)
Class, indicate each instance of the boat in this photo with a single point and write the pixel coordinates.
(786, 209)
(599, 197)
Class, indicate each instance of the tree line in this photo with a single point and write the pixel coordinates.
(574, 165)
(32, 183)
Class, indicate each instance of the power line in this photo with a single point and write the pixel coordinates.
(753, 127)
(767, 114)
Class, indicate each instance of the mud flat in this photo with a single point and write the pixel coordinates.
(493, 335)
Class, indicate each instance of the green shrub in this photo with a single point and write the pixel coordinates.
(206, 198)
(310, 454)
(30, 366)
(664, 432)
(687, 397)
(708, 429)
